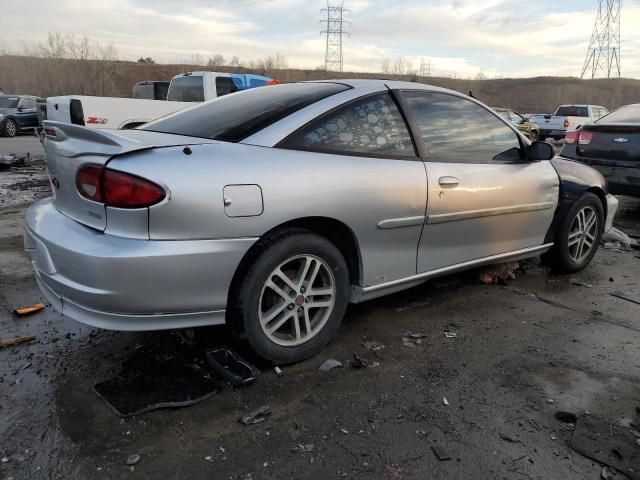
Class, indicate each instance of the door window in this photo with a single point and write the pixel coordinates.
(225, 86)
(457, 130)
(371, 126)
(28, 102)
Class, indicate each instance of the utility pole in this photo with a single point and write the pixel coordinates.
(603, 55)
(334, 31)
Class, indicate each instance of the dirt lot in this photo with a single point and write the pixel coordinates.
(523, 351)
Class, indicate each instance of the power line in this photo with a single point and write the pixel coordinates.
(603, 55)
(334, 31)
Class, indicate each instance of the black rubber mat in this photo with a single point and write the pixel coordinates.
(150, 380)
(604, 442)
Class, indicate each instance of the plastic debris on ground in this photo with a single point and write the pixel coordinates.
(445, 401)
(624, 296)
(156, 377)
(413, 340)
(440, 453)
(30, 310)
(330, 365)
(20, 340)
(257, 416)
(359, 362)
(450, 334)
(580, 283)
(500, 274)
(278, 371)
(231, 367)
(373, 346)
(607, 443)
(616, 239)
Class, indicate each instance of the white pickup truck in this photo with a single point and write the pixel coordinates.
(115, 113)
(566, 117)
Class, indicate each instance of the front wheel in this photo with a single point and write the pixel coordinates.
(579, 235)
(10, 128)
(293, 296)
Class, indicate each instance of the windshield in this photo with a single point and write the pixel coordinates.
(234, 117)
(572, 111)
(8, 102)
(186, 89)
(628, 114)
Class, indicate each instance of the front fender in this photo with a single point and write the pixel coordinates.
(575, 179)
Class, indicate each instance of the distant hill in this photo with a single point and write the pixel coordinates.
(46, 77)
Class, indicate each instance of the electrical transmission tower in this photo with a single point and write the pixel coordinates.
(334, 31)
(603, 56)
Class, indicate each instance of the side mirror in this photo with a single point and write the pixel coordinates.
(541, 151)
(20, 109)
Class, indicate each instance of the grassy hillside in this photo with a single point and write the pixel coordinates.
(46, 77)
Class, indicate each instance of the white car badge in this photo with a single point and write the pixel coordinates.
(621, 140)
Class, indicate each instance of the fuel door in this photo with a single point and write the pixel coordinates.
(243, 200)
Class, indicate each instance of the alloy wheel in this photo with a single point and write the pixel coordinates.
(297, 300)
(11, 128)
(583, 234)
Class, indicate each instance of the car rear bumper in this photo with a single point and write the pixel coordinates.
(556, 134)
(129, 284)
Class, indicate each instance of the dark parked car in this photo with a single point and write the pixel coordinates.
(611, 145)
(17, 113)
(151, 90)
(530, 129)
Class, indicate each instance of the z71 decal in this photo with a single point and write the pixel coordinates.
(97, 120)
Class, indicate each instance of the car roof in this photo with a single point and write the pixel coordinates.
(384, 83)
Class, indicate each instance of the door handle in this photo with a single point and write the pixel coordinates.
(448, 181)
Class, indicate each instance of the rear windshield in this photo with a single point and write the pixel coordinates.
(234, 117)
(186, 89)
(143, 91)
(628, 114)
(8, 102)
(572, 111)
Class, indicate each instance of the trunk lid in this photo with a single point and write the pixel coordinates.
(612, 142)
(74, 146)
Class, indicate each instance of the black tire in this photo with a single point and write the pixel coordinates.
(266, 257)
(559, 257)
(10, 128)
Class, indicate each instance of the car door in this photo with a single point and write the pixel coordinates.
(485, 198)
(27, 115)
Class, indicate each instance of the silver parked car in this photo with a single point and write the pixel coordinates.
(272, 209)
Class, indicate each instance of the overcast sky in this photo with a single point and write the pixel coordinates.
(508, 38)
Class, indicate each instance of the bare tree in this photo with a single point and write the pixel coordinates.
(216, 61)
(235, 61)
(384, 67)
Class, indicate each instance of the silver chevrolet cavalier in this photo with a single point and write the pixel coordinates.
(272, 209)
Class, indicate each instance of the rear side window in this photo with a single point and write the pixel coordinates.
(186, 89)
(144, 91)
(457, 130)
(224, 86)
(161, 90)
(628, 114)
(234, 117)
(371, 126)
(572, 111)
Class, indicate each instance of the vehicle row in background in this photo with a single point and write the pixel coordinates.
(126, 113)
(529, 128)
(565, 118)
(611, 145)
(17, 113)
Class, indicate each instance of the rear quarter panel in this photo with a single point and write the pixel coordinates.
(360, 192)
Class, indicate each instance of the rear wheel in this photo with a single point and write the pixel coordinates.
(293, 296)
(10, 128)
(579, 235)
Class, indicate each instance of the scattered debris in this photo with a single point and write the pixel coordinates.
(579, 283)
(9, 342)
(450, 334)
(231, 367)
(344, 431)
(445, 401)
(606, 474)
(257, 416)
(309, 447)
(133, 460)
(416, 335)
(441, 453)
(551, 401)
(359, 362)
(616, 239)
(626, 297)
(329, 365)
(607, 443)
(278, 371)
(566, 417)
(508, 438)
(499, 274)
(411, 342)
(373, 346)
(30, 310)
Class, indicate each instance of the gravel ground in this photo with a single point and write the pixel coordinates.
(524, 350)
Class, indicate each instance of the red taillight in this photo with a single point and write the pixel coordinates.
(571, 137)
(566, 123)
(584, 138)
(88, 182)
(117, 189)
(50, 132)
